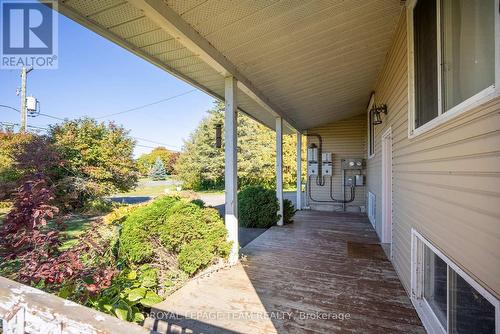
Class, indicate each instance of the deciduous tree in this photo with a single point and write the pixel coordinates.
(98, 156)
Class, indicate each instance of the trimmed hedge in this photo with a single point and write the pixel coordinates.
(257, 207)
(195, 235)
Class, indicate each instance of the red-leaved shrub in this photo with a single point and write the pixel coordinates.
(23, 228)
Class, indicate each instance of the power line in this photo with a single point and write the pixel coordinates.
(37, 114)
(9, 124)
(50, 116)
(146, 146)
(155, 142)
(147, 105)
(38, 127)
(136, 108)
(9, 107)
(138, 138)
(120, 112)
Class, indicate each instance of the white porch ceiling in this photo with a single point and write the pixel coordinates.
(314, 61)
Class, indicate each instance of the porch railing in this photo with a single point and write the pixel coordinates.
(24, 309)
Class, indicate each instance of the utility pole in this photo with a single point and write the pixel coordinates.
(24, 111)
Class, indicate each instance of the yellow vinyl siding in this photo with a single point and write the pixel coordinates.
(446, 182)
(345, 139)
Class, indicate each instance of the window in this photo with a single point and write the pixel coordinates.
(435, 284)
(371, 129)
(424, 21)
(452, 58)
(446, 298)
(371, 208)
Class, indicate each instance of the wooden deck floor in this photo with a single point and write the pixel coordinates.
(322, 274)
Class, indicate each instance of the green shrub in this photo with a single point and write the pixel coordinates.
(119, 214)
(288, 211)
(196, 235)
(181, 227)
(135, 246)
(195, 255)
(198, 202)
(97, 206)
(257, 207)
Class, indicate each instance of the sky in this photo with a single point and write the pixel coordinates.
(95, 78)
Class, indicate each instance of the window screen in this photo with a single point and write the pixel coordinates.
(458, 306)
(435, 284)
(462, 65)
(425, 55)
(468, 49)
(470, 312)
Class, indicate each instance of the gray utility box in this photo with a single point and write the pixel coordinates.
(355, 180)
(353, 163)
(360, 180)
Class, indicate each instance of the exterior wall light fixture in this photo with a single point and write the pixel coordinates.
(377, 110)
(218, 135)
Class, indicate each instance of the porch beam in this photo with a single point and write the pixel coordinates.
(67, 11)
(279, 167)
(299, 171)
(177, 27)
(230, 167)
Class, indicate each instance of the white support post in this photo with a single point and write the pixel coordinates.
(279, 167)
(299, 171)
(231, 168)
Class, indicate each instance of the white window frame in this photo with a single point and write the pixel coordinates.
(371, 137)
(372, 208)
(429, 319)
(478, 99)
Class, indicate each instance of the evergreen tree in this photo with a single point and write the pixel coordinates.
(146, 161)
(201, 165)
(158, 171)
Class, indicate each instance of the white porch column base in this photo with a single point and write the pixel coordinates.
(231, 168)
(299, 171)
(279, 167)
(231, 222)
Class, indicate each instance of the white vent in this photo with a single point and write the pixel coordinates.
(371, 208)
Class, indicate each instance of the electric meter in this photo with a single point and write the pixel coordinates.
(353, 163)
(327, 164)
(313, 169)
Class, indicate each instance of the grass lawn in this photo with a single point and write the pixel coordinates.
(147, 191)
(75, 227)
(210, 192)
(147, 187)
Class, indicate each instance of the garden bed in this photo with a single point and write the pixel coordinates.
(130, 259)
